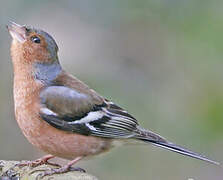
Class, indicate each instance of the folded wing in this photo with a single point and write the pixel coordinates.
(70, 110)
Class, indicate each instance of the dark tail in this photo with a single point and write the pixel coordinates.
(150, 137)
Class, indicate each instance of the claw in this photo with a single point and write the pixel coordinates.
(58, 171)
(77, 169)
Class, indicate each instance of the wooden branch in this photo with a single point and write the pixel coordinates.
(25, 173)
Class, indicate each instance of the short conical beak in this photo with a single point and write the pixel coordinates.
(17, 32)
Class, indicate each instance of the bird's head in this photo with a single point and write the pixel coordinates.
(32, 45)
(34, 53)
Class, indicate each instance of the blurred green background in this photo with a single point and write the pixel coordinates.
(160, 59)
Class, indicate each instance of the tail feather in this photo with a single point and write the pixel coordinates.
(150, 137)
(183, 151)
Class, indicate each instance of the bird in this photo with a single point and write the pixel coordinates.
(61, 115)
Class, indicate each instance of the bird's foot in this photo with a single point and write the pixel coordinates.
(38, 162)
(60, 170)
(53, 171)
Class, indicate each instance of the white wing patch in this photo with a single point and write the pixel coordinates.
(92, 116)
(47, 112)
(90, 127)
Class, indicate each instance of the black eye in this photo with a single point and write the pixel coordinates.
(35, 39)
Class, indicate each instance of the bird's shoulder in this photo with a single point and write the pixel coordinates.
(73, 83)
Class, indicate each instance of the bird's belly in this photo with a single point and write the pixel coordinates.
(57, 142)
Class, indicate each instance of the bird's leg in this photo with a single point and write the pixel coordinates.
(38, 162)
(68, 167)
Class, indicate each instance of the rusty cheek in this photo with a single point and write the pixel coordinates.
(36, 52)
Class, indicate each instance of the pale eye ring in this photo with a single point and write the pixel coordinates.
(35, 39)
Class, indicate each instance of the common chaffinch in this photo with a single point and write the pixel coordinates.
(61, 115)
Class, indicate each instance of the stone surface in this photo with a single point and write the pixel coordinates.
(25, 173)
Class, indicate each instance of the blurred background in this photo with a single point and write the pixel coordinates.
(160, 59)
